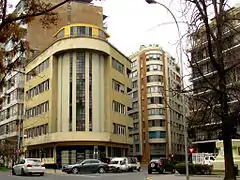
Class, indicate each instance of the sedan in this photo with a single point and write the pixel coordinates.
(29, 166)
(86, 166)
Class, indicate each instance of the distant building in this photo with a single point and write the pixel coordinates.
(157, 111)
(202, 138)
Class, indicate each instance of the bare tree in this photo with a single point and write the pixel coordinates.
(7, 151)
(214, 59)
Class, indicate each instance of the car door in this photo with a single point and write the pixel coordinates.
(85, 166)
(19, 166)
(94, 165)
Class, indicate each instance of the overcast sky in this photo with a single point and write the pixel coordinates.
(134, 22)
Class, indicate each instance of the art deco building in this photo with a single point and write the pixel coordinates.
(76, 94)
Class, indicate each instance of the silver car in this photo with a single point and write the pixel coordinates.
(29, 166)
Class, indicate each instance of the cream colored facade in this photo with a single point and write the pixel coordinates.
(55, 127)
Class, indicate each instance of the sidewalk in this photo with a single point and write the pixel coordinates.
(54, 171)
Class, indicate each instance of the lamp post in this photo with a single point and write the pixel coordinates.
(181, 64)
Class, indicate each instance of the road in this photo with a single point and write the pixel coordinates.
(109, 176)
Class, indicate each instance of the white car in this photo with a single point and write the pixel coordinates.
(208, 160)
(29, 166)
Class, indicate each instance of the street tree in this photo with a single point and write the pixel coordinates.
(11, 30)
(215, 61)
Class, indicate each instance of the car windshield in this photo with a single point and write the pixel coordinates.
(154, 160)
(114, 162)
(34, 160)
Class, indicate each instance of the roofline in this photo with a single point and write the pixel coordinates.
(32, 59)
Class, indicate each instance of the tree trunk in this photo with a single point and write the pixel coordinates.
(226, 129)
(228, 154)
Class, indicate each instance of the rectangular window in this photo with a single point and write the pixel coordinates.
(118, 107)
(118, 66)
(119, 129)
(35, 71)
(80, 91)
(117, 86)
(90, 92)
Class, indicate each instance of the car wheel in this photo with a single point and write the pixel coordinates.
(161, 171)
(149, 172)
(13, 172)
(139, 169)
(23, 172)
(119, 170)
(173, 171)
(101, 170)
(42, 174)
(75, 171)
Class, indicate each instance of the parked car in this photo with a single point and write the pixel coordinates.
(208, 160)
(86, 166)
(29, 166)
(161, 165)
(124, 164)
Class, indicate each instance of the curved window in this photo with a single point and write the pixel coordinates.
(155, 78)
(155, 111)
(154, 56)
(154, 67)
(157, 134)
(60, 34)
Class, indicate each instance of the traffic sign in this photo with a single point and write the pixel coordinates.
(191, 150)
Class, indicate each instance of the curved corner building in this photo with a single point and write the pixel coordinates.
(76, 98)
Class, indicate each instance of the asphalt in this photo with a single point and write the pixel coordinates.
(107, 176)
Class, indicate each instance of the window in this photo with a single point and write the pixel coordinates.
(154, 67)
(135, 94)
(44, 86)
(133, 74)
(37, 70)
(155, 111)
(135, 116)
(119, 129)
(118, 66)
(155, 89)
(157, 134)
(155, 78)
(134, 64)
(156, 123)
(80, 91)
(155, 100)
(118, 107)
(117, 86)
(134, 84)
(154, 56)
(37, 110)
(61, 33)
(37, 131)
(135, 126)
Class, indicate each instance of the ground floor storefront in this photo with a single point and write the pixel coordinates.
(60, 154)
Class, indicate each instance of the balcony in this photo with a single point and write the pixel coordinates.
(11, 136)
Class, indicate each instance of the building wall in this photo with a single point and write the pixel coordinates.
(103, 94)
(153, 61)
(39, 38)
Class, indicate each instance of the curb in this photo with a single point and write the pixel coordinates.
(214, 176)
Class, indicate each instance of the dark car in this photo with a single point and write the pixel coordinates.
(86, 166)
(160, 166)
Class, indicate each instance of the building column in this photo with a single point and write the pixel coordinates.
(106, 151)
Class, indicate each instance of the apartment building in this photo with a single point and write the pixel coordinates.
(204, 138)
(11, 108)
(157, 111)
(76, 94)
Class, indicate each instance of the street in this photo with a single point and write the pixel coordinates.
(109, 176)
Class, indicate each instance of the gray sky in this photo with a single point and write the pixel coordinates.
(133, 22)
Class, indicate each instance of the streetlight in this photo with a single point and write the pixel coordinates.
(181, 64)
